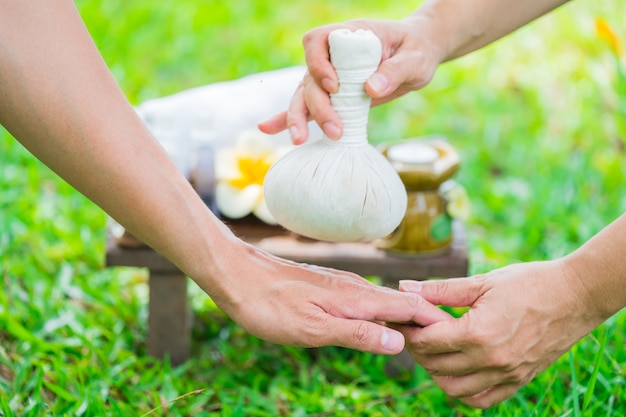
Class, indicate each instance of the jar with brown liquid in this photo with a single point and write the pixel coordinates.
(423, 165)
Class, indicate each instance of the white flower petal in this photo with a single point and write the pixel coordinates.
(235, 203)
(226, 166)
(459, 205)
(254, 144)
(263, 213)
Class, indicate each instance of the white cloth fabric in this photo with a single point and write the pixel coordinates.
(355, 57)
(216, 114)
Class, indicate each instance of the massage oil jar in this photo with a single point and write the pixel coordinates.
(424, 165)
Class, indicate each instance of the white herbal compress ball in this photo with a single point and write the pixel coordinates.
(340, 190)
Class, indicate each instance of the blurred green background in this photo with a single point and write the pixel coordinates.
(538, 119)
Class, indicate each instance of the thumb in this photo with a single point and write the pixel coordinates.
(364, 335)
(389, 76)
(396, 76)
(454, 292)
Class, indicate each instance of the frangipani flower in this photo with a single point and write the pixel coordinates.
(240, 173)
(458, 206)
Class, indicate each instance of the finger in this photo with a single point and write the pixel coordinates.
(454, 292)
(317, 57)
(492, 396)
(423, 312)
(465, 386)
(320, 109)
(274, 124)
(447, 336)
(384, 304)
(364, 336)
(446, 364)
(297, 116)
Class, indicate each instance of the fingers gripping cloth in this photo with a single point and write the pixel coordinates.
(340, 190)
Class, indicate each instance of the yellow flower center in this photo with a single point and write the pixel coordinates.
(252, 170)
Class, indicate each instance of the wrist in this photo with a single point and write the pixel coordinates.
(427, 34)
(601, 295)
(600, 266)
(211, 259)
(443, 26)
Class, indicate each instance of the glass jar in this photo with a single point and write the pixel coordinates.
(423, 164)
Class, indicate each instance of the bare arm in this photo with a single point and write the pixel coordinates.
(438, 31)
(465, 26)
(60, 101)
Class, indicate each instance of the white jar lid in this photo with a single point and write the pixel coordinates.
(412, 153)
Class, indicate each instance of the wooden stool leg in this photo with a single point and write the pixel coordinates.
(399, 364)
(169, 324)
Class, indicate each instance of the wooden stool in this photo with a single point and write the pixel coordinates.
(169, 323)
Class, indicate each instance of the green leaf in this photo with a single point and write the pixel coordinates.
(59, 391)
(596, 369)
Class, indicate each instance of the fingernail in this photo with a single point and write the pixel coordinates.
(329, 85)
(331, 130)
(294, 133)
(378, 83)
(410, 286)
(392, 341)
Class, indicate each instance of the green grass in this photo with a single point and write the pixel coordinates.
(542, 157)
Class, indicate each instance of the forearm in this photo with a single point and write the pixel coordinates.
(599, 267)
(60, 101)
(464, 25)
